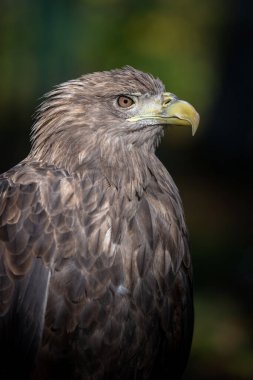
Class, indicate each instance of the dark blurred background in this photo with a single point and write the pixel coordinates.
(202, 50)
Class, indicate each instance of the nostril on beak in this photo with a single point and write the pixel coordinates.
(167, 98)
(166, 101)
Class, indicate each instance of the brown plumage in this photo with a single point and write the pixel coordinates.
(95, 269)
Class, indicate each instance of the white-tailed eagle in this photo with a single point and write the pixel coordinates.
(95, 269)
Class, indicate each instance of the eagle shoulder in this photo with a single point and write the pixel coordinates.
(34, 199)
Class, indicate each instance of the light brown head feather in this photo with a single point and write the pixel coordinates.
(77, 125)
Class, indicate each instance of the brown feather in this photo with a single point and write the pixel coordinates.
(95, 270)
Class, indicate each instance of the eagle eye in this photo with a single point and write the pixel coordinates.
(124, 101)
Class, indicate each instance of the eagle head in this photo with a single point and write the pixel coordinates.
(106, 116)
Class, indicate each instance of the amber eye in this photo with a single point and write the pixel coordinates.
(125, 101)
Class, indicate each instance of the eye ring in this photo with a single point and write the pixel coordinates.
(124, 101)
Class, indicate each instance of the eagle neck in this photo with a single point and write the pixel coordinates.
(127, 167)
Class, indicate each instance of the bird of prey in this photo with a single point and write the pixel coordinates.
(95, 268)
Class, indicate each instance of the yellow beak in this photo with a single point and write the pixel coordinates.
(170, 111)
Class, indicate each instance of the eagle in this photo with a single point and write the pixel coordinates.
(95, 266)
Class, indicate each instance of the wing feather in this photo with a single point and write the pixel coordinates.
(27, 253)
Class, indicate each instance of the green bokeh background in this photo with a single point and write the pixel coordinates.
(201, 51)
